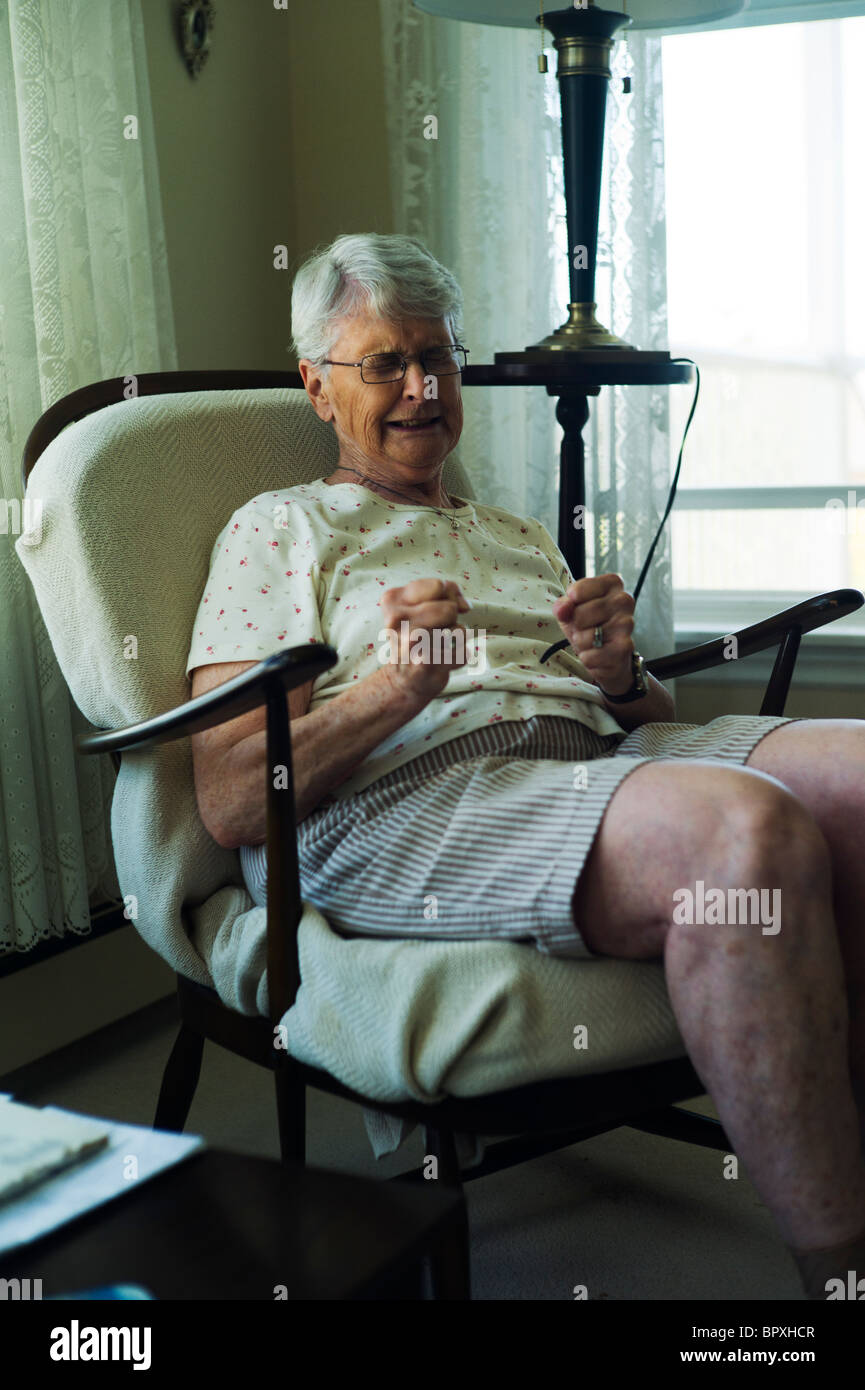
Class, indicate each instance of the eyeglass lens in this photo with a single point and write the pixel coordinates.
(390, 366)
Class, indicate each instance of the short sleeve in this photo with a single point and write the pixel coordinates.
(261, 594)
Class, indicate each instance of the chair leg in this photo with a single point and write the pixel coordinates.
(440, 1143)
(448, 1265)
(179, 1080)
(290, 1110)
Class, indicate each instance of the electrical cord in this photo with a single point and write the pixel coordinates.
(684, 361)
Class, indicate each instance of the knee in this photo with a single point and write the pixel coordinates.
(768, 833)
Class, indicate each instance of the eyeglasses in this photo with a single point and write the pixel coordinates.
(379, 367)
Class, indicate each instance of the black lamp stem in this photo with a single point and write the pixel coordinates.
(583, 40)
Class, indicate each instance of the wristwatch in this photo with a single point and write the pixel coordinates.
(639, 686)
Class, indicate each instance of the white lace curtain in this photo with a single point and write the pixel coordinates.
(486, 196)
(628, 435)
(84, 295)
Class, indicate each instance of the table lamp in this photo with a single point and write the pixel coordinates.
(583, 36)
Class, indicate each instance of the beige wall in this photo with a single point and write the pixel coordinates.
(278, 141)
(53, 1004)
(339, 144)
(697, 703)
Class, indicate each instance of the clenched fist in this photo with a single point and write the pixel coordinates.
(600, 602)
(429, 606)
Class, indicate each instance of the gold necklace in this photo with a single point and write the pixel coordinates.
(363, 478)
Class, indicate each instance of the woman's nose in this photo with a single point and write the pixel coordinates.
(415, 380)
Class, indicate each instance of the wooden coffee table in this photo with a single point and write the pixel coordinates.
(223, 1226)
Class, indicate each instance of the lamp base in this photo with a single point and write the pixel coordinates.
(580, 332)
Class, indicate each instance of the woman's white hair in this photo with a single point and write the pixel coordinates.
(390, 276)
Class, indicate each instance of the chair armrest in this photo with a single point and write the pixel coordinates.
(264, 683)
(290, 668)
(804, 617)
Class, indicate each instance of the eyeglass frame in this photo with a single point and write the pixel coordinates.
(413, 357)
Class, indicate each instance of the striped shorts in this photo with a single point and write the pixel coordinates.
(485, 836)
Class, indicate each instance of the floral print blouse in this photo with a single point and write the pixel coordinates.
(310, 563)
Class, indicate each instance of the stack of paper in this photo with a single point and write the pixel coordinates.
(34, 1144)
(40, 1169)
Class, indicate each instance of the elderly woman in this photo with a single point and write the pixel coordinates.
(457, 793)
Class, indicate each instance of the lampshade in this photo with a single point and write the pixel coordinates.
(791, 12)
(659, 16)
(645, 14)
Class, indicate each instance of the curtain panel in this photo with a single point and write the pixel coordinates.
(482, 186)
(628, 463)
(84, 295)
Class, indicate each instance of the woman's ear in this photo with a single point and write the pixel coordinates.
(316, 388)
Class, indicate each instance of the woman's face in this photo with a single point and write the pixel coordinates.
(365, 415)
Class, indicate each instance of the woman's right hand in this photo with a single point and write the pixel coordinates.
(424, 605)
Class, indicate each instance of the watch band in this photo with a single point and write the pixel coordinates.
(639, 687)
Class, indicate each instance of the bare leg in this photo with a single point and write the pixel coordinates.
(763, 1017)
(822, 761)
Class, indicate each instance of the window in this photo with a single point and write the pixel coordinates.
(764, 133)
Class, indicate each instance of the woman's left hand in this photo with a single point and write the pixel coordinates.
(600, 602)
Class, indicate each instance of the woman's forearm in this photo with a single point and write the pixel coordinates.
(327, 745)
